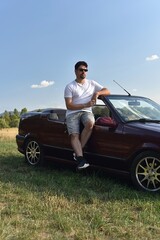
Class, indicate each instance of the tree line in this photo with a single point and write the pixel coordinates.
(11, 119)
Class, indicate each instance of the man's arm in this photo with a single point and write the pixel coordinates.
(103, 91)
(71, 106)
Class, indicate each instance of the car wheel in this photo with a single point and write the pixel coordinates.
(33, 153)
(145, 171)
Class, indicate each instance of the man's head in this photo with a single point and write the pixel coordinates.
(81, 69)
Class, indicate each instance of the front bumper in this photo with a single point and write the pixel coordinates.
(20, 143)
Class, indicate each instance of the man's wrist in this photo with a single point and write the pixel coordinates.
(84, 105)
(97, 94)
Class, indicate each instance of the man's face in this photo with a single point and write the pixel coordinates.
(81, 72)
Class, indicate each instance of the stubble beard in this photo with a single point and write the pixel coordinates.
(82, 77)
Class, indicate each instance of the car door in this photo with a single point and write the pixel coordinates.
(54, 132)
(106, 141)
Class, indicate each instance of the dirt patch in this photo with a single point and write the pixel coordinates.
(8, 133)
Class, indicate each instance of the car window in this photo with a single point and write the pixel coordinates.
(101, 111)
(53, 116)
(57, 115)
(136, 108)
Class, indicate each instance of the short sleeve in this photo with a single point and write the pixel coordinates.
(97, 86)
(67, 92)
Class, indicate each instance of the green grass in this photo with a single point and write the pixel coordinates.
(62, 204)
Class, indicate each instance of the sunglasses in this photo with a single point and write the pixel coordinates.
(83, 69)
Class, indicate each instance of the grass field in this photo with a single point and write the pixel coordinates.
(58, 203)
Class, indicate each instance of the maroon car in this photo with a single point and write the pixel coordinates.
(125, 138)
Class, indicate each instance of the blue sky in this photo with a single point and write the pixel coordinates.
(41, 40)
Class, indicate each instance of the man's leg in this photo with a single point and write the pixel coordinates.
(88, 122)
(86, 133)
(73, 122)
(76, 144)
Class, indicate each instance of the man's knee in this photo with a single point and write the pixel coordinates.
(89, 125)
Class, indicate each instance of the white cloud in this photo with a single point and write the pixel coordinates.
(43, 84)
(152, 57)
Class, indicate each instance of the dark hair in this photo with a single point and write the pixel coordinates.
(79, 64)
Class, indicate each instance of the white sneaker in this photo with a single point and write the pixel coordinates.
(82, 163)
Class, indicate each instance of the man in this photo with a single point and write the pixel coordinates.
(80, 96)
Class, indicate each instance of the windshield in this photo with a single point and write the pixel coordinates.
(136, 108)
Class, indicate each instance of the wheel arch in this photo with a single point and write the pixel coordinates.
(30, 136)
(141, 151)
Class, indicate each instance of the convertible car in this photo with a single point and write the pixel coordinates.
(125, 138)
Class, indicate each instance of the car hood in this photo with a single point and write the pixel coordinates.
(155, 127)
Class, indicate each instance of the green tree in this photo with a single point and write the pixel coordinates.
(16, 113)
(24, 110)
(11, 119)
(3, 123)
(6, 117)
(14, 121)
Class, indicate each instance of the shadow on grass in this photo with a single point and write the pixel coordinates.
(58, 179)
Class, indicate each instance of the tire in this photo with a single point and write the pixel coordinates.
(33, 153)
(145, 172)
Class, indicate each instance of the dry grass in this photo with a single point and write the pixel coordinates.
(8, 133)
